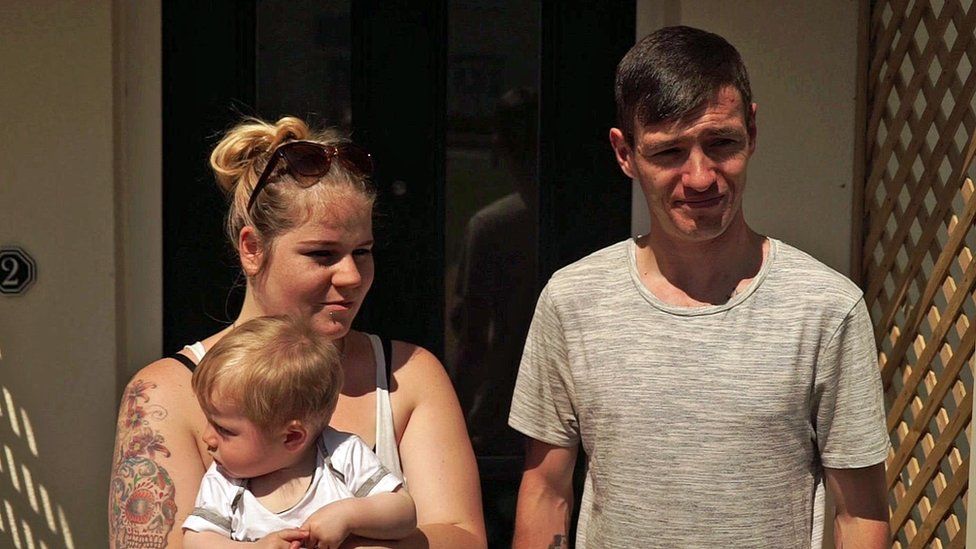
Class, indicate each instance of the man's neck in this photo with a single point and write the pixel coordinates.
(694, 274)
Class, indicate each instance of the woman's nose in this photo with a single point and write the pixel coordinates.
(347, 272)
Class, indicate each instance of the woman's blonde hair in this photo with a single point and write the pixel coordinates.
(272, 370)
(240, 157)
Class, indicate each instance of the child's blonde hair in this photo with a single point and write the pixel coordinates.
(272, 370)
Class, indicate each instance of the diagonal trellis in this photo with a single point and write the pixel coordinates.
(917, 262)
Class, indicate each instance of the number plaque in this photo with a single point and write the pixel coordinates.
(17, 271)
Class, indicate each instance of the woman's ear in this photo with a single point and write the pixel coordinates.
(296, 434)
(250, 249)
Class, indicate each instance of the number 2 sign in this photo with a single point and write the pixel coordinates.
(17, 270)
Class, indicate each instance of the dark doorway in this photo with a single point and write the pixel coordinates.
(488, 121)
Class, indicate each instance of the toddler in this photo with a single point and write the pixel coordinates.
(280, 474)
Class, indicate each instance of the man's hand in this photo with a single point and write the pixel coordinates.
(862, 508)
(329, 526)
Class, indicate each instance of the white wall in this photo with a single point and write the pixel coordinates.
(802, 63)
(77, 196)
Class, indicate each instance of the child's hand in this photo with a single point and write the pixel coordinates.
(289, 538)
(329, 526)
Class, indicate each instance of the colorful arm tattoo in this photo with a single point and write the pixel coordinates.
(142, 498)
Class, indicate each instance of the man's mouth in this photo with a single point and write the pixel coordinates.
(697, 203)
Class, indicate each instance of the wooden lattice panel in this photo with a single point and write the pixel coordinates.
(918, 269)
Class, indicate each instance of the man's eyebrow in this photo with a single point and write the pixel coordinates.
(726, 132)
(655, 144)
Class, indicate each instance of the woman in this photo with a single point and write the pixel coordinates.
(300, 218)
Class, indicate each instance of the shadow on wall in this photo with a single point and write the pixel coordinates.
(28, 517)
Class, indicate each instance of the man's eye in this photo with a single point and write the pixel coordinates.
(362, 252)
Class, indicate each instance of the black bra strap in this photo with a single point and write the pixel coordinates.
(388, 357)
(185, 360)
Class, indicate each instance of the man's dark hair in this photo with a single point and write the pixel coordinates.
(674, 71)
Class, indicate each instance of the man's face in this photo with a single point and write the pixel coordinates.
(693, 171)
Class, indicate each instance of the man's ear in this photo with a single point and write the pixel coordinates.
(250, 249)
(751, 128)
(623, 151)
(295, 435)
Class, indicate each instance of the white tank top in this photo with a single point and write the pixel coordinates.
(386, 445)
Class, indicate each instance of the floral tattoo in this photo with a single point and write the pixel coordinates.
(142, 498)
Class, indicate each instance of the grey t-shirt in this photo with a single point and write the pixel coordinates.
(708, 426)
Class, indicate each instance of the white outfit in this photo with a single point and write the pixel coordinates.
(386, 444)
(345, 468)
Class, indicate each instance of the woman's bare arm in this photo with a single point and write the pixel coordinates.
(156, 467)
(437, 460)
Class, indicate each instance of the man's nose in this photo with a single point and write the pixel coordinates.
(699, 172)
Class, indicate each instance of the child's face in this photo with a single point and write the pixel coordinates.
(240, 448)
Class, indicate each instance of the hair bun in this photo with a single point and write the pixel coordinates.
(245, 147)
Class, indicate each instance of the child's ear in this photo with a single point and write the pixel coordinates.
(296, 434)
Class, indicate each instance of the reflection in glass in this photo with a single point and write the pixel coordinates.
(491, 230)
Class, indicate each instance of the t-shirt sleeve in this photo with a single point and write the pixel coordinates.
(849, 412)
(212, 510)
(543, 402)
(362, 471)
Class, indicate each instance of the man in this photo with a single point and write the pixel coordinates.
(714, 376)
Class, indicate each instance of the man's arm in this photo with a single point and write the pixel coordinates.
(862, 509)
(545, 499)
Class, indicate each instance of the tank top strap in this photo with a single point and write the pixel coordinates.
(197, 350)
(386, 445)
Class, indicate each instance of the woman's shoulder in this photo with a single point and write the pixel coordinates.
(419, 373)
(164, 380)
(411, 359)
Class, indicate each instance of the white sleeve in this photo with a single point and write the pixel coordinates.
(212, 510)
(364, 474)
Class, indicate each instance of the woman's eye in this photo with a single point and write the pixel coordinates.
(362, 252)
(321, 255)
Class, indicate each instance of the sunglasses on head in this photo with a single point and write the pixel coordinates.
(308, 161)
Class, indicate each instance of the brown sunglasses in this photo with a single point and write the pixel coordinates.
(308, 161)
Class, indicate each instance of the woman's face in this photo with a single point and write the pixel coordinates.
(321, 269)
